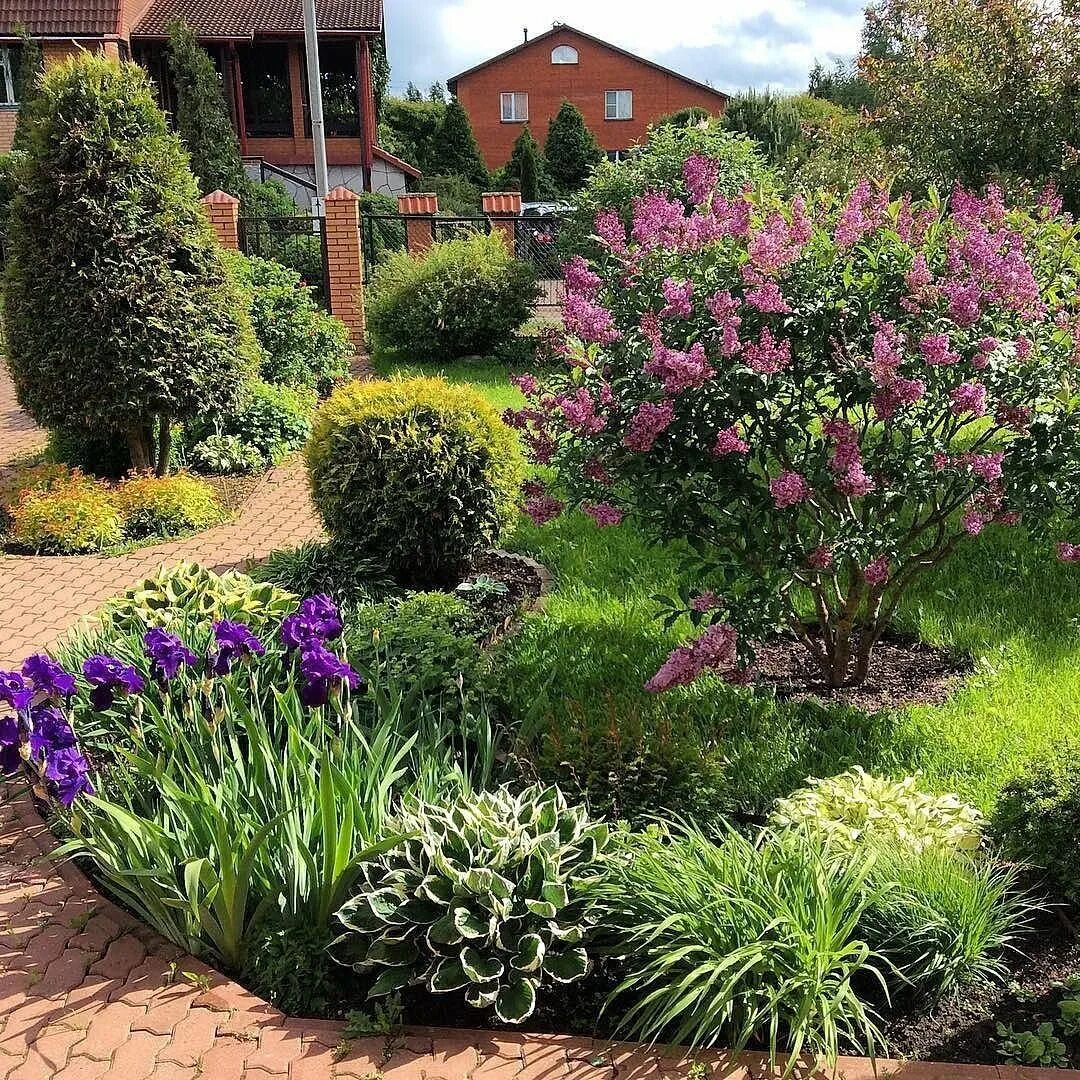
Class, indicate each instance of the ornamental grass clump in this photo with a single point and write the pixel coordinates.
(487, 897)
(824, 399)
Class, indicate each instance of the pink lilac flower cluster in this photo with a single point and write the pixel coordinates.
(1068, 553)
(700, 174)
(723, 307)
(778, 243)
(986, 348)
(789, 489)
(937, 350)
(846, 461)
(647, 424)
(589, 321)
(821, 558)
(706, 601)
(540, 505)
(579, 409)
(580, 279)
(969, 399)
(767, 355)
(877, 572)
(604, 514)
(678, 370)
(765, 296)
(595, 471)
(679, 297)
(713, 651)
(893, 390)
(533, 423)
(610, 230)
(728, 441)
(865, 211)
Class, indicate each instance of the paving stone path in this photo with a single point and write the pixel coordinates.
(87, 991)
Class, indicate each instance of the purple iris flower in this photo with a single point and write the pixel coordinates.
(15, 690)
(322, 672)
(67, 770)
(48, 676)
(168, 652)
(11, 737)
(108, 676)
(316, 621)
(235, 642)
(49, 731)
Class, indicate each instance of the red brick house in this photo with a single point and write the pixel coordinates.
(258, 46)
(618, 93)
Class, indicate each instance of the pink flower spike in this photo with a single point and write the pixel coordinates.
(728, 442)
(604, 514)
(647, 424)
(820, 558)
(712, 652)
(789, 489)
(1068, 553)
(706, 601)
(969, 399)
(877, 572)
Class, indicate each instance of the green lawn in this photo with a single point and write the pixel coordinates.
(1015, 611)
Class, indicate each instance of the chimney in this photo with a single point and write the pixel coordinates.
(526, 35)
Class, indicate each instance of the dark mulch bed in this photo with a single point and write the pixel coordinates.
(964, 1029)
(524, 580)
(903, 671)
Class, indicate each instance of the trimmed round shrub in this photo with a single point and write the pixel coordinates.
(118, 305)
(74, 517)
(421, 474)
(166, 505)
(1037, 819)
(466, 297)
(856, 806)
(302, 346)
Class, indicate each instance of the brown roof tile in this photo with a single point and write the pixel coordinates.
(61, 18)
(245, 18)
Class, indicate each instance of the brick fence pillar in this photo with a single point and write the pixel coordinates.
(223, 210)
(420, 210)
(504, 208)
(345, 262)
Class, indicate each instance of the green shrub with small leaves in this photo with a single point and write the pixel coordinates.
(166, 505)
(177, 593)
(419, 474)
(464, 297)
(856, 806)
(487, 898)
(223, 455)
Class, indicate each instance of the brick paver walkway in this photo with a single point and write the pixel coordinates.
(87, 991)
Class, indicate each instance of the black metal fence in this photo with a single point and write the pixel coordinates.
(297, 242)
(536, 241)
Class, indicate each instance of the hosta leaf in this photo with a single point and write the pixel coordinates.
(393, 953)
(470, 925)
(436, 888)
(384, 903)
(556, 894)
(422, 912)
(482, 995)
(530, 953)
(541, 908)
(508, 934)
(351, 950)
(568, 966)
(391, 981)
(449, 975)
(479, 881)
(480, 968)
(445, 931)
(516, 1001)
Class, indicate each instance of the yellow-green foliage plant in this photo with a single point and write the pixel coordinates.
(72, 518)
(421, 474)
(166, 505)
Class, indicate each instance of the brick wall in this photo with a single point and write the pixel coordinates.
(598, 69)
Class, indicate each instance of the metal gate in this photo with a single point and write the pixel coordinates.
(297, 242)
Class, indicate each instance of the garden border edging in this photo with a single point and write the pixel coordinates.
(87, 990)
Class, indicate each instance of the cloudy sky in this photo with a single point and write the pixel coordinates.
(731, 44)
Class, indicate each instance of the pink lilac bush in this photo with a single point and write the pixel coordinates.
(826, 399)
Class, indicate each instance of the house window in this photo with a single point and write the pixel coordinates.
(341, 89)
(264, 70)
(9, 75)
(618, 155)
(564, 54)
(619, 105)
(515, 108)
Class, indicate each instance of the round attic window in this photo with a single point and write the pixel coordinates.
(564, 54)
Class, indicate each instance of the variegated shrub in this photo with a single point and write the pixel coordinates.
(486, 897)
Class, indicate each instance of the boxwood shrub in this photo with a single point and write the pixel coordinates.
(465, 297)
(418, 473)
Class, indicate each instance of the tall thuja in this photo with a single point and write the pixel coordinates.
(31, 65)
(770, 119)
(456, 149)
(530, 172)
(571, 149)
(120, 312)
(202, 115)
(826, 404)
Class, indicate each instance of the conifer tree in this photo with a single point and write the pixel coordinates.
(571, 149)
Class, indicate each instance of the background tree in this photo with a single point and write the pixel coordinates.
(841, 84)
(31, 65)
(380, 75)
(437, 92)
(530, 173)
(975, 91)
(120, 312)
(456, 149)
(412, 93)
(693, 114)
(570, 150)
(410, 129)
(511, 174)
(769, 119)
(202, 114)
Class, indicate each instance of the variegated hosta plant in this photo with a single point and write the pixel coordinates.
(487, 897)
